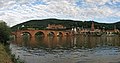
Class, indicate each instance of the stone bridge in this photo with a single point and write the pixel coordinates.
(32, 33)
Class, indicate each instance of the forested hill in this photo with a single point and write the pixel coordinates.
(42, 24)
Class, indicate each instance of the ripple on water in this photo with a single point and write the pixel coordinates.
(82, 62)
(115, 62)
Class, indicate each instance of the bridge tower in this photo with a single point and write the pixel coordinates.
(92, 26)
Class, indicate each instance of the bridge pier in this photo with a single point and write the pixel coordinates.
(45, 35)
(55, 34)
(18, 34)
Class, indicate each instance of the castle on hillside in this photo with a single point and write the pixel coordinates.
(54, 26)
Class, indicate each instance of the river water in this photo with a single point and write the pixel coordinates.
(69, 49)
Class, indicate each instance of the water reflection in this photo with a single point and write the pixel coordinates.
(79, 41)
(91, 49)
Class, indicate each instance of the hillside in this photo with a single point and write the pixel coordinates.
(42, 24)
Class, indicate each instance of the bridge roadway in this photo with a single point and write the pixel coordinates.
(32, 33)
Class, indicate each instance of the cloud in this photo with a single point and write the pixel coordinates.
(18, 11)
(115, 1)
(98, 2)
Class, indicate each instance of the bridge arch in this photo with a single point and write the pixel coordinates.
(51, 33)
(40, 33)
(26, 33)
(67, 34)
(60, 34)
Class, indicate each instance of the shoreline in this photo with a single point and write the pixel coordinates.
(4, 55)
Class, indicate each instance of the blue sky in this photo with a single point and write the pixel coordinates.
(17, 11)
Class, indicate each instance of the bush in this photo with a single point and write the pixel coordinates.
(4, 32)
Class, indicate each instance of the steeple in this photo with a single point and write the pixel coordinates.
(92, 26)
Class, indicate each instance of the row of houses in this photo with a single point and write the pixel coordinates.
(92, 30)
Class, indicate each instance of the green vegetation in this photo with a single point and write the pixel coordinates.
(4, 57)
(5, 52)
(4, 49)
(4, 32)
(42, 24)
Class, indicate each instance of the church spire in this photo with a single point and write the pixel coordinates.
(92, 26)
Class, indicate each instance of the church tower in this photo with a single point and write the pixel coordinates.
(92, 26)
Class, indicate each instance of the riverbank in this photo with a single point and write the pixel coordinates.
(4, 56)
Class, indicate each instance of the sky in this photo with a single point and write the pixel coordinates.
(17, 11)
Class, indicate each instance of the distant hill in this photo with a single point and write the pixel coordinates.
(42, 24)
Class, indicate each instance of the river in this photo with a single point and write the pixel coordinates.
(69, 49)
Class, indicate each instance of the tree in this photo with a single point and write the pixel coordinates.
(4, 32)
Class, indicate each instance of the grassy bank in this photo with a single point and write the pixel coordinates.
(4, 56)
